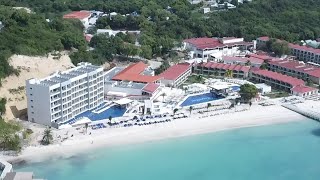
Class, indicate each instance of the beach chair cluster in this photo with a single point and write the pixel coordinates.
(98, 126)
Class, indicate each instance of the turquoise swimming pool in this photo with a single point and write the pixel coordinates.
(200, 98)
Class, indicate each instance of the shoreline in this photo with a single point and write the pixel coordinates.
(108, 137)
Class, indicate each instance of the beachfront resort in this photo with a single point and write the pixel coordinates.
(127, 96)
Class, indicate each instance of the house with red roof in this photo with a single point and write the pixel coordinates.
(220, 69)
(83, 16)
(176, 74)
(215, 48)
(304, 91)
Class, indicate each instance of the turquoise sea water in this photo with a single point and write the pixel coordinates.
(277, 152)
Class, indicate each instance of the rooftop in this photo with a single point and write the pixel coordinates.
(298, 66)
(225, 66)
(243, 59)
(173, 72)
(134, 73)
(60, 77)
(151, 87)
(280, 77)
(302, 89)
(77, 15)
(295, 46)
(211, 43)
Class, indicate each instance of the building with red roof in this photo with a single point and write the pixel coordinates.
(176, 74)
(136, 81)
(81, 15)
(220, 69)
(252, 61)
(303, 53)
(304, 91)
(216, 47)
(297, 69)
(135, 73)
(275, 79)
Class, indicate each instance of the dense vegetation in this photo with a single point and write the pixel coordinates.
(8, 138)
(31, 34)
(247, 92)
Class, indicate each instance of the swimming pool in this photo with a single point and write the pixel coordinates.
(235, 88)
(201, 98)
(113, 111)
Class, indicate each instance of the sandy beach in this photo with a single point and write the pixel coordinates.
(80, 143)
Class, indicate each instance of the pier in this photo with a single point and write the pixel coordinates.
(308, 112)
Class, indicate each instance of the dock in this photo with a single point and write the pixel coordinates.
(305, 112)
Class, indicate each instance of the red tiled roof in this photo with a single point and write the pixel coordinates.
(211, 43)
(264, 38)
(304, 48)
(133, 73)
(225, 66)
(173, 72)
(151, 87)
(77, 15)
(302, 89)
(280, 77)
(298, 66)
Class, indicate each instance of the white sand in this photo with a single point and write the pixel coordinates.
(80, 143)
(30, 67)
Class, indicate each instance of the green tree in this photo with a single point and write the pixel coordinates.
(163, 95)
(190, 109)
(47, 136)
(229, 73)
(146, 51)
(248, 63)
(110, 119)
(175, 111)
(3, 102)
(248, 91)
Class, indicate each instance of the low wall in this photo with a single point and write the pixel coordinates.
(6, 168)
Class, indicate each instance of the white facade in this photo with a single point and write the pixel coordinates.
(64, 95)
(263, 88)
(111, 32)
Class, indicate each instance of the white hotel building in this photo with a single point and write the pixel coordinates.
(64, 95)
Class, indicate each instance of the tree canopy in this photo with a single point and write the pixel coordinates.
(248, 91)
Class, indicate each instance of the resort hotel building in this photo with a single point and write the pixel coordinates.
(63, 95)
(220, 69)
(215, 48)
(137, 81)
(302, 53)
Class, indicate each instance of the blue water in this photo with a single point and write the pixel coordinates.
(277, 152)
(235, 88)
(113, 111)
(197, 99)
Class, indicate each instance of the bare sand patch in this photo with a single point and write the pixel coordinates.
(13, 87)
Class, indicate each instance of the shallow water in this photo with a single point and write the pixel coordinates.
(285, 151)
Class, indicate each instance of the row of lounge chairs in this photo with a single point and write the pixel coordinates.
(98, 126)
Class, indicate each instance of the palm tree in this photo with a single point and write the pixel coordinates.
(248, 63)
(175, 111)
(110, 118)
(163, 95)
(47, 136)
(190, 109)
(229, 73)
(208, 106)
(86, 125)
